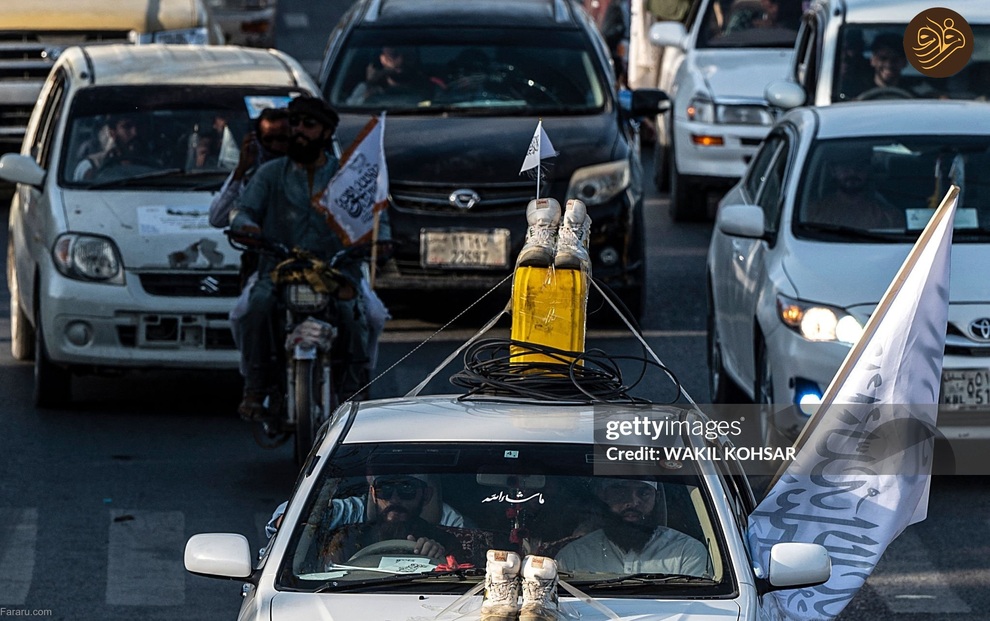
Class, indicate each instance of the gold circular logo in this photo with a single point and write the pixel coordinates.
(938, 42)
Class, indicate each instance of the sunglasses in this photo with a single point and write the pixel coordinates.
(407, 489)
(300, 119)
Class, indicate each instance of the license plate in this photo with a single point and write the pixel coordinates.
(467, 249)
(965, 387)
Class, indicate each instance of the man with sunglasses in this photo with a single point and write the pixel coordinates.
(398, 501)
(280, 203)
(631, 539)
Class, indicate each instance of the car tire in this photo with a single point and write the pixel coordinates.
(721, 387)
(21, 332)
(688, 202)
(52, 383)
(306, 403)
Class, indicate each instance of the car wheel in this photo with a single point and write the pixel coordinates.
(721, 388)
(21, 333)
(688, 203)
(307, 390)
(52, 383)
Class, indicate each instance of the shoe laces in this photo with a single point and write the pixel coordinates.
(502, 589)
(540, 233)
(537, 590)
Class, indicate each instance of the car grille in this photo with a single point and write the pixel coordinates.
(200, 284)
(415, 197)
(957, 343)
(29, 55)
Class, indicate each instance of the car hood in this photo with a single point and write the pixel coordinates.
(414, 607)
(866, 270)
(479, 149)
(152, 230)
(740, 73)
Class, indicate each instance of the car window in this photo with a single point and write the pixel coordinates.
(870, 190)
(536, 499)
(750, 23)
(41, 143)
(147, 135)
(471, 70)
(808, 51)
(771, 194)
(757, 172)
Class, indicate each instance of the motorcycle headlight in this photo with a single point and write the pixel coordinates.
(817, 322)
(301, 298)
(87, 257)
(599, 184)
(189, 36)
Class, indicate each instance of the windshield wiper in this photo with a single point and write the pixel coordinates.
(393, 579)
(132, 179)
(849, 231)
(644, 579)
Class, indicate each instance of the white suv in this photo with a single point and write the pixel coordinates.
(715, 68)
(121, 268)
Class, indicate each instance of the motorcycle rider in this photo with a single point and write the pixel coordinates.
(280, 203)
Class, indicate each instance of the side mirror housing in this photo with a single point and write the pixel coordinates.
(218, 555)
(668, 34)
(740, 221)
(19, 168)
(643, 102)
(785, 94)
(794, 565)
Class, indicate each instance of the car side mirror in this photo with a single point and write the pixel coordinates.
(740, 221)
(785, 94)
(794, 565)
(218, 555)
(19, 168)
(643, 102)
(668, 34)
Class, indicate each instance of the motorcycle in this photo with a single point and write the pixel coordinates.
(305, 394)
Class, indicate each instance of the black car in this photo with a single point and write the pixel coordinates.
(464, 86)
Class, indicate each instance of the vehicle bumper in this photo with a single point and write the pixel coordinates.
(112, 326)
(727, 161)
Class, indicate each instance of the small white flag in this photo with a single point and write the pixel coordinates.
(539, 149)
(359, 190)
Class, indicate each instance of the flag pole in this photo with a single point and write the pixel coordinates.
(539, 146)
(374, 249)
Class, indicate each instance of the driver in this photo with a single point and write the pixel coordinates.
(124, 146)
(398, 500)
(393, 73)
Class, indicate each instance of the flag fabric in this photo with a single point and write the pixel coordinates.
(863, 462)
(359, 190)
(539, 149)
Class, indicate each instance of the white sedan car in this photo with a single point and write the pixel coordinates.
(534, 478)
(807, 242)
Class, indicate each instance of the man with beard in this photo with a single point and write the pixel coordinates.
(630, 540)
(280, 204)
(852, 200)
(398, 501)
(125, 146)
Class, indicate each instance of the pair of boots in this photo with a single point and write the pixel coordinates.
(556, 241)
(505, 573)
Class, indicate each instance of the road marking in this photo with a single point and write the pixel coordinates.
(144, 559)
(907, 581)
(18, 539)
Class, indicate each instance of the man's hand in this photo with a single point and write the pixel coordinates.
(427, 547)
(249, 155)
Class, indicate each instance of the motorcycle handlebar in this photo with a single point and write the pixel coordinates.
(249, 241)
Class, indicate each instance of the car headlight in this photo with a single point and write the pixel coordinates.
(87, 257)
(599, 183)
(817, 322)
(701, 110)
(189, 36)
(743, 115)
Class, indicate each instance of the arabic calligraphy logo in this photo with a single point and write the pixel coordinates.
(938, 42)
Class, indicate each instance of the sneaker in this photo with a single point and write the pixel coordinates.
(252, 406)
(539, 589)
(572, 240)
(543, 216)
(501, 602)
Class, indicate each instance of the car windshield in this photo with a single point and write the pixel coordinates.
(469, 71)
(541, 499)
(855, 67)
(886, 188)
(750, 23)
(179, 138)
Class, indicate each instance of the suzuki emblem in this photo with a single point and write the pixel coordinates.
(209, 285)
(464, 199)
(980, 329)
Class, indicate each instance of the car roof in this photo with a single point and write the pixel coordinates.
(445, 418)
(451, 13)
(902, 11)
(881, 117)
(213, 65)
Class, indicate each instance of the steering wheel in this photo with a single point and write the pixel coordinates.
(884, 92)
(381, 548)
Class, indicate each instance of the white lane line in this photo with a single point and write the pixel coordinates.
(144, 560)
(18, 540)
(907, 581)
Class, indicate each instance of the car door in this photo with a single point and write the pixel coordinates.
(763, 186)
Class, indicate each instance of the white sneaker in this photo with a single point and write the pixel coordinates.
(539, 589)
(543, 216)
(501, 602)
(572, 240)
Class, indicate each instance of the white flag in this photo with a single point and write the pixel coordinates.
(359, 190)
(539, 149)
(863, 462)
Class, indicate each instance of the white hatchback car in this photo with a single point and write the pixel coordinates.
(118, 267)
(807, 242)
(715, 68)
(524, 476)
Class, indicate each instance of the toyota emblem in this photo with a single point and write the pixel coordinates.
(980, 329)
(464, 199)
